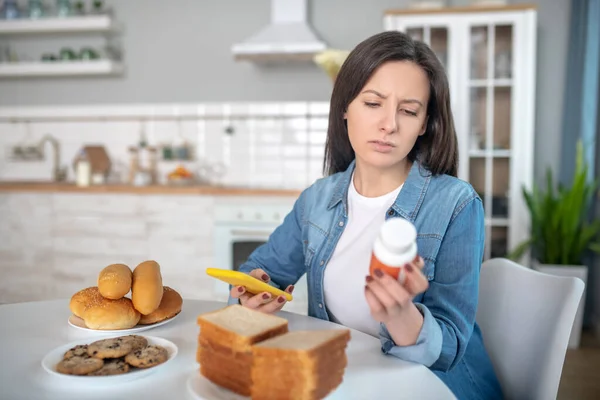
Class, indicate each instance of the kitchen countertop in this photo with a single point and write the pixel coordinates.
(66, 187)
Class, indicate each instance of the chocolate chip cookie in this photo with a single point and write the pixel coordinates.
(79, 365)
(78, 351)
(110, 348)
(137, 342)
(112, 366)
(147, 357)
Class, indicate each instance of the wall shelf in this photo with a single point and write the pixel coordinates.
(491, 153)
(60, 68)
(482, 83)
(92, 23)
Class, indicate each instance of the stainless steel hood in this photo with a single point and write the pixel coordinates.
(288, 36)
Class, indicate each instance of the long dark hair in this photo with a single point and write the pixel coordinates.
(437, 148)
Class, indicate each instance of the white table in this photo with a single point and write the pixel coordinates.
(28, 331)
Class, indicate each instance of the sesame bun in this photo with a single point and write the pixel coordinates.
(114, 281)
(81, 299)
(111, 314)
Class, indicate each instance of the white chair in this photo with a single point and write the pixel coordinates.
(526, 318)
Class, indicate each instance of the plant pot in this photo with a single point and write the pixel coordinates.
(577, 271)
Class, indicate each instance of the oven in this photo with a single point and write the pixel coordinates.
(239, 229)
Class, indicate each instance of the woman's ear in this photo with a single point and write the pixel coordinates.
(424, 127)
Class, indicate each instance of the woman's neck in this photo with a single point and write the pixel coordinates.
(374, 182)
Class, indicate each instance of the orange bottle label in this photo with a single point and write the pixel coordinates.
(394, 272)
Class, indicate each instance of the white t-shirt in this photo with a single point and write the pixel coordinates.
(344, 279)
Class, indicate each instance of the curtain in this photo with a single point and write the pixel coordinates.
(581, 100)
(580, 122)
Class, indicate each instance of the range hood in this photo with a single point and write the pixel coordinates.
(288, 36)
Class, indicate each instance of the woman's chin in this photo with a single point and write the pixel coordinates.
(381, 161)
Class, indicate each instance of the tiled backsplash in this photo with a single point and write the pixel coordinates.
(276, 145)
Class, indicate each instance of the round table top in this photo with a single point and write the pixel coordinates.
(29, 331)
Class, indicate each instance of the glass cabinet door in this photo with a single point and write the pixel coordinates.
(435, 37)
(489, 141)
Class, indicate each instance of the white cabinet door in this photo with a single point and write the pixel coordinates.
(490, 61)
(438, 33)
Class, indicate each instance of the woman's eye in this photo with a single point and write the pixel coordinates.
(372, 105)
(409, 112)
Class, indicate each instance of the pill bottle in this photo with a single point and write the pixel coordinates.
(394, 247)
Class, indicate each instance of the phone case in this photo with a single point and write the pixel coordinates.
(251, 284)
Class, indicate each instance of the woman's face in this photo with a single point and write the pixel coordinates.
(388, 115)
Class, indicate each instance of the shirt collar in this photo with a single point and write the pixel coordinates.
(409, 199)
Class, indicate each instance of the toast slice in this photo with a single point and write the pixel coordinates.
(238, 327)
(225, 344)
(303, 365)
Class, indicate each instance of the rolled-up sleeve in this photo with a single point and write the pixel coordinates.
(449, 305)
(428, 346)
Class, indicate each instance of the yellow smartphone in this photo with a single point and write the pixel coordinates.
(251, 284)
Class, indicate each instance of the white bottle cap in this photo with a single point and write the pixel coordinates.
(398, 234)
(396, 244)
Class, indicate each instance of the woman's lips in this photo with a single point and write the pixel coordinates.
(381, 147)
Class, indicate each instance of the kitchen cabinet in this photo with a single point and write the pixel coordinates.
(490, 57)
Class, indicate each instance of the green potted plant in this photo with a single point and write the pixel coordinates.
(561, 230)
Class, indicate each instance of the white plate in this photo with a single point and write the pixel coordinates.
(52, 358)
(203, 389)
(78, 323)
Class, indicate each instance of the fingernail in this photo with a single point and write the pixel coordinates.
(266, 296)
(409, 267)
(240, 289)
(378, 273)
(291, 289)
(280, 300)
(369, 278)
(265, 277)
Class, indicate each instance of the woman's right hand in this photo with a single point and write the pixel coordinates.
(264, 301)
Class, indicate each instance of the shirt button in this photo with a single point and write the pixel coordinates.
(341, 223)
(391, 212)
(322, 262)
(320, 305)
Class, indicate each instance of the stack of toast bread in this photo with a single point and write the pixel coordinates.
(299, 365)
(106, 306)
(225, 344)
(254, 354)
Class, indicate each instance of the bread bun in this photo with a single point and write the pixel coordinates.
(147, 288)
(114, 281)
(111, 314)
(170, 306)
(80, 300)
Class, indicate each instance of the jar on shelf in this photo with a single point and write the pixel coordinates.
(10, 10)
(63, 8)
(35, 9)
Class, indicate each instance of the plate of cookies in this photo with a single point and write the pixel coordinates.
(108, 308)
(111, 360)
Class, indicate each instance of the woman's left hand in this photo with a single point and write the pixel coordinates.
(387, 297)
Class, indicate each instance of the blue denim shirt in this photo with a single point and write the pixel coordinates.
(449, 218)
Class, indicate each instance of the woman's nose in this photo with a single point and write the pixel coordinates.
(389, 122)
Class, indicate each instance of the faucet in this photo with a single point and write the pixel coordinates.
(59, 173)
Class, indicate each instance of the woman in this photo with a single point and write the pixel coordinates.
(391, 152)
